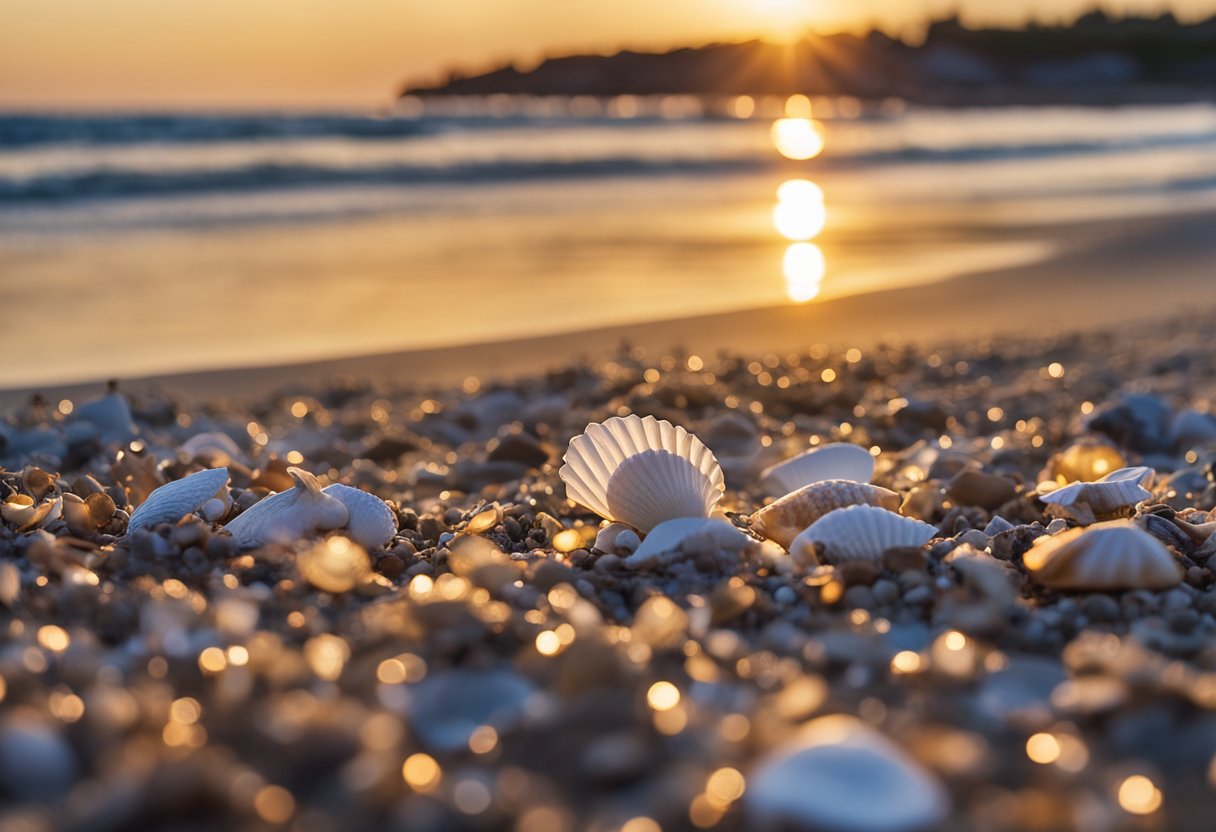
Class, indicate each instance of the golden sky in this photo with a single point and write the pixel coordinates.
(290, 53)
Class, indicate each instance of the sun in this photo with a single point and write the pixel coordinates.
(784, 20)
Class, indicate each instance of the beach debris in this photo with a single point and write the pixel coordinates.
(1117, 491)
(837, 773)
(288, 515)
(859, 532)
(370, 522)
(689, 537)
(336, 564)
(788, 517)
(1113, 555)
(835, 461)
(85, 516)
(641, 471)
(173, 501)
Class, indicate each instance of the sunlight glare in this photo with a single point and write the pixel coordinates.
(798, 138)
(798, 106)
(799, 190)
(804, 268)
(799, 219)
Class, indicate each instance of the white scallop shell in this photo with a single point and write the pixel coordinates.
(1114, 555)
(861, 532)
(174, 500)
(371, 522)
(837, 461)
(1117, 490)
(641, 471)
(289, 515)
(685, 537)
(838, 773)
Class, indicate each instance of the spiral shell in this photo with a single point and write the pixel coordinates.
(1105, 556)
(641, 471)
(860, 532)
(173, 501)
(289, 515)
(788, 517)
(836, 461)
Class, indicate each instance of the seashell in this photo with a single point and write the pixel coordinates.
(173, 501)
(1084, 461)
(685, 537)
(1117, 490)
(1199, 532)
(838, 773)
(110, 415)
(87, 516)
(837, 461)
(217, 448)
(24, 514)
(861, 532)
(617, 539)
(788, 517)
(289, 515)
(1105, 556)
(371, 523)
(641, 471)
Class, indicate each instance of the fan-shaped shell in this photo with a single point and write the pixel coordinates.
(837, 461)
(371, 522)
(1117, 490)
(1105, 556)
(173, 501)
(788, 517)
(838, 773)
(289, 515)
(860, 532)
(685, 537)
(641, 471)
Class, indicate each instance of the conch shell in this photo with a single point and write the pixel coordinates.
(788, 517)
(289, 515)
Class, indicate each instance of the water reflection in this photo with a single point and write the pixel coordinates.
(801, 211)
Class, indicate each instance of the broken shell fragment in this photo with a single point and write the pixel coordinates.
(23, 513)
(1105, 556)
(686, 537)
(641, 471)
(788, 517)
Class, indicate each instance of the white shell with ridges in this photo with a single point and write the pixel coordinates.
(641, 471)
(1105, 556)
(370, 523)
(785, 519)
(684, 537)
(1117, 490)
(837, 461)
(289, 515)
(173, 501)
(837, 773)
(861, 532)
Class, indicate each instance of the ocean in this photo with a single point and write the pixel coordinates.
(147, 243)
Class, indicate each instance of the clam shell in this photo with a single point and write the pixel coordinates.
(1105, 556)
(1117, 490)
(837, 461)
(788, 517)
(219, 448)
(22, 513)
(173, 501)
(289, 515)
(87, 516)
(371, 523)
(684, 537)
(641, 471)
(861, 532)
(838, 773)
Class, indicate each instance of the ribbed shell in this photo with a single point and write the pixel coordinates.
(289, 515)
(838, 773)
(173, 501)
(1117, 490)
(862, 532)
(665, 543)
(788, 517)
(1105, 556)
(837, 461)
(370, 521)
(664, 472)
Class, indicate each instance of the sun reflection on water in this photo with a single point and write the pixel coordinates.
(804, 268)
(801, 211)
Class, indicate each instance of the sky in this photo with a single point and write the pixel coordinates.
(141, 54)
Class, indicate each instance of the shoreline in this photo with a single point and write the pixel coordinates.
(1097, 284)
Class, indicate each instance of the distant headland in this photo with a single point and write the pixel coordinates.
(1095, 59)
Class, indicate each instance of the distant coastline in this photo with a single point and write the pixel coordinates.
(1097, 60)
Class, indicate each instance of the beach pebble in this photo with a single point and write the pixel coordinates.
(36, 762)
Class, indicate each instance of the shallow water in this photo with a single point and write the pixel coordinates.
(143, 246)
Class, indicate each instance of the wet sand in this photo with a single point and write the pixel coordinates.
(1108, 273)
